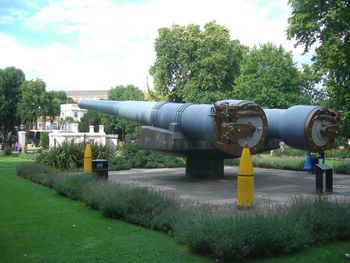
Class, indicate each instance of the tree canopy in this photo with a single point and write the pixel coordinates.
(11, 79)
(53, 100)
(36, 102)
(90, 118)
(196, 66)
(269, 78)
(32, 101)
(129, 92)
(324, 25)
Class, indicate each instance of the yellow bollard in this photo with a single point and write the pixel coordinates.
(245, 182)
(87, 159)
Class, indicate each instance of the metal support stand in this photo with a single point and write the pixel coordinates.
(199, 167)
(320, 169)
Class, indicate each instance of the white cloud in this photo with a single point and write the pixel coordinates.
(116, 41)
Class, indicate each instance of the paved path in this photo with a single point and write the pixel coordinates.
(271, 185)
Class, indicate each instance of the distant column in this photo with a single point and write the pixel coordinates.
(22, 139)
(102, 129)
(75, 127)
(91, 129)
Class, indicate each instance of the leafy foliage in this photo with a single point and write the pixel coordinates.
(324, 25)
(11, 79)
(195, 66)
(132, 156)
(332, 224)
(35, 102)
(71, 185)
(44, 140)
(236, 234)
(51, 104)
(90, 118)
(70, 156)
(269, 78)
(37, 173)
(32, 101)
(7, 150)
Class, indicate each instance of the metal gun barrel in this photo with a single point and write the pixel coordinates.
(227, 125)
(310, 128)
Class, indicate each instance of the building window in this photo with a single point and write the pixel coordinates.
(75, 114)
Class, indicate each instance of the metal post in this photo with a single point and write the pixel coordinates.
(320, 169)
(329, 181)
(319, 179)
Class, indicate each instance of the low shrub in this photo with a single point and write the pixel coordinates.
(237, 234)
(119, 163)
(289, 152)
(37, 173)
(342, 167)
(7, 151)
(94, 193)
(44, 140)
(70, 156)
(323, 218)
(145, 159)
(134, 204)
(285, 163)
(71, 185)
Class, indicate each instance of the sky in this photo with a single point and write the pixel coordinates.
(99, 44)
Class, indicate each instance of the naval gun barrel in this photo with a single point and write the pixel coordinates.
(309, 128)
(227, 126)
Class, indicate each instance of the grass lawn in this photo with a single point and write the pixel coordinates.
(38, 225)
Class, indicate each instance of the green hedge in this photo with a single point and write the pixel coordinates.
(229, 233)
(219, 231)
(37, 173)
(71, 185)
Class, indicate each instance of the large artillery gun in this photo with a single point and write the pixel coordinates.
(207, 134)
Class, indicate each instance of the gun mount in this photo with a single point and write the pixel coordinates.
(207, 134)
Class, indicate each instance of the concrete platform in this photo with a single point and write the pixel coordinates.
(271, 185)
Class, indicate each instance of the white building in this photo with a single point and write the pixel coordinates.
(59, 137)
(73, 111)
(76, 95)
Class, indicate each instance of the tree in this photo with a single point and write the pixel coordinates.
(129, 92)
(324, 25)
(11, 79)
(52, 101)
(311, 85)
(32, 101)
(90, 118)
(269, 78)
(195, 66)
